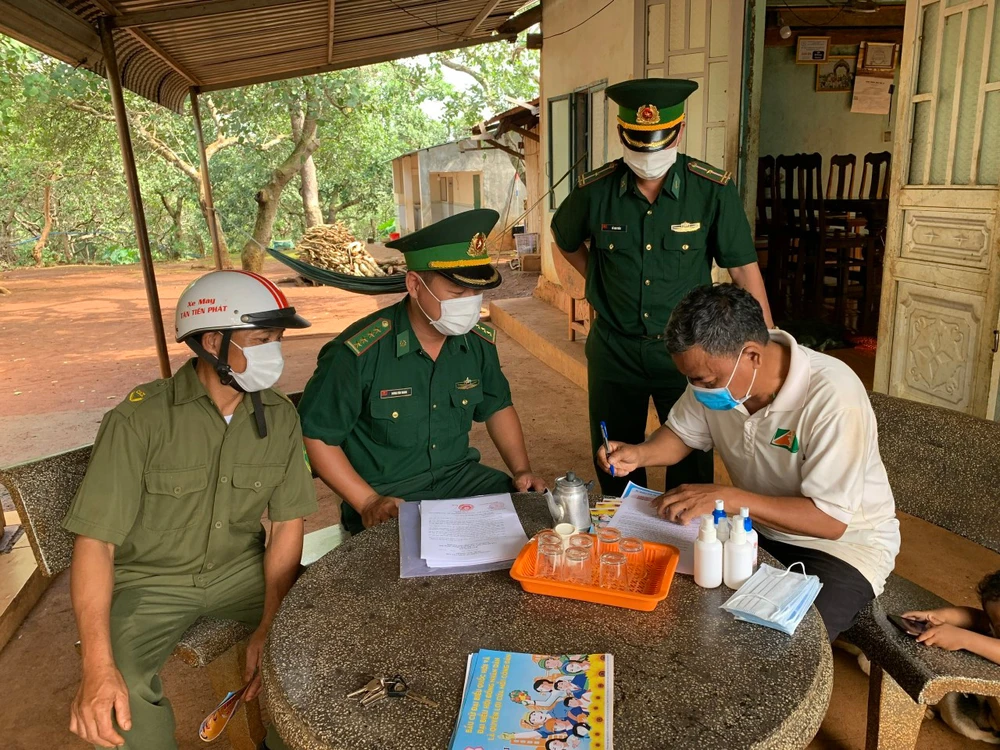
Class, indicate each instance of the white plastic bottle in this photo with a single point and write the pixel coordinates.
(721, 521)
(707, 555)
(738, 558)
(751, 533)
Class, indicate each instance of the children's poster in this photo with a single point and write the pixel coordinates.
(536, 701)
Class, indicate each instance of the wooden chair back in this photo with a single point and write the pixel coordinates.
(841, 164)
(876, 169)
(765, 195)
(811, 192)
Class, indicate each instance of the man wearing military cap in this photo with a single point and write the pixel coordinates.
(387, 414)
(655, 220)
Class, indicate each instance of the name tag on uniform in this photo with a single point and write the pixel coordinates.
(395, 393)
(686, 227)
(614, 227)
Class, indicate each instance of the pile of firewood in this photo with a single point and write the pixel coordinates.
(333, 247)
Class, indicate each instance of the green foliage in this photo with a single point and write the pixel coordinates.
(56, 127)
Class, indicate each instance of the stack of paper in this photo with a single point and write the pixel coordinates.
(637, 517)
(470, 531)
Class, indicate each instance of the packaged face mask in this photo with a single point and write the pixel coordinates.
(777, 599)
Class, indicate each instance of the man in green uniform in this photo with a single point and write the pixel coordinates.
(168, 516)
(387, 414)
(655, 220)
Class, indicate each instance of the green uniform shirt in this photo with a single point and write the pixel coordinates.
(396, 412)
(645, 257)
(179, 492)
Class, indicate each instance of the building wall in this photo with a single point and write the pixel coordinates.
(495, 166)
(601, 49)
(795, 118)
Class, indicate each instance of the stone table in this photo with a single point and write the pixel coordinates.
(687, 675)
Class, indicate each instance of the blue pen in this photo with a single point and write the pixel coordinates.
(607, 445)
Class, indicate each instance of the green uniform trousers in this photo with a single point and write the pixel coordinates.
(465, 479)
(623, 372)
(147, 622)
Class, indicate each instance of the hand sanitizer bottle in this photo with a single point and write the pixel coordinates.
(738, 558)
(751, 533)
(721, 521)
(707, 555)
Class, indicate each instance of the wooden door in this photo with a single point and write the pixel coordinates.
(939, 302)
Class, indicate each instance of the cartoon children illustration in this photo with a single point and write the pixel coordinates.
(551, 727)
(576, 665)
(576, 685)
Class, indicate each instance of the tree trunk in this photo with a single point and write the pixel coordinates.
(308, 183)
(43, 238)
(227, 262)
(336, 208)
(176, 215)
(269, 196)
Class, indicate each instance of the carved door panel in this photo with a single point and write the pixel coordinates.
(940, 287)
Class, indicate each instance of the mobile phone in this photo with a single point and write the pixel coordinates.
(908, 626)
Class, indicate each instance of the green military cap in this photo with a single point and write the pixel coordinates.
(650, 110)
(454, 247)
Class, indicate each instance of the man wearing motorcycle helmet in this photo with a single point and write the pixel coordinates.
(168, 516)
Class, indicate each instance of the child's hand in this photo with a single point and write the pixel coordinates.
(926, 615)
(948, 637)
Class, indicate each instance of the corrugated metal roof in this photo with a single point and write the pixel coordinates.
(166, 46)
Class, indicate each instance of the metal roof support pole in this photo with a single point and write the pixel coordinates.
(135, 197)
(213, 220)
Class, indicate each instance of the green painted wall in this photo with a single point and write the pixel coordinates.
(794, 118)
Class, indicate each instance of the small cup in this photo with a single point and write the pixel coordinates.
(614, 571)
(565, 531)
(635, 560)
(607, 540)
(584, 541)
(548, 561)
(577, 566)
(548, 536)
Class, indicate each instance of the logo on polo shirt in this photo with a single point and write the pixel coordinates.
(786, 439)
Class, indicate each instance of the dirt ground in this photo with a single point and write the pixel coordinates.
(73, 341)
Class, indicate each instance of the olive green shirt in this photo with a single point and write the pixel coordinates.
(644, 258)
(179, 492)
(397, 413)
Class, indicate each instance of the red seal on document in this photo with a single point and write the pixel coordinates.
(465, 507)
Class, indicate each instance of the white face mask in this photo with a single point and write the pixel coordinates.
(650, 165)
(458, 316)
(264, 366)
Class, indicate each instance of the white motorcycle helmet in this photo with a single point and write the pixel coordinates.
(228, 301)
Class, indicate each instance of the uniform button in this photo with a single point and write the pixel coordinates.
(223, 479)
(611, 246)
(684, 247)
(649, 212)
(177, 490)
(465, 402)
(645, 315)
(433, 446)
(649, 247)
(256, 485)
(395, 414)
(218, 524)
(647, 282)
(210, 566)
(434, 406)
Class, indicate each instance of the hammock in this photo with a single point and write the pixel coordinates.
(348, 282)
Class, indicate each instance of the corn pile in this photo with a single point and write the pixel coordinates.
(333, 247)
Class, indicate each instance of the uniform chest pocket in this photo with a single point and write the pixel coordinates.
(685, 258)
(174, 498)
(253, 486)
(464, 403)
(612, 241)
(398, 421)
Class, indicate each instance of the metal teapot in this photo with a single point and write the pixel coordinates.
(570, 502)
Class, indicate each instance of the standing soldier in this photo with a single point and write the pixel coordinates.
(655, 221)
(168, 515)
(387, 414)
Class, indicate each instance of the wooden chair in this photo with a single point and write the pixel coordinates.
(841, 164)
(765, 197)
(876, 168)
(783, 232)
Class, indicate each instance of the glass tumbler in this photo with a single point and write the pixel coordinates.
(614, 572)
(548, 536)
(607, 540)
(549, 561)
(635, 560)
(577, 566)
(582, 541)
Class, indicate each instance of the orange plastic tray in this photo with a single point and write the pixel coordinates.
(661, 562)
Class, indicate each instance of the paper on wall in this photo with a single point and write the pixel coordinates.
(872, 95)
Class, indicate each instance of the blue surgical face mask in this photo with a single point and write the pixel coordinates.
(721, 399)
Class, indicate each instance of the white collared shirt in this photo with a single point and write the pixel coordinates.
(817, 439)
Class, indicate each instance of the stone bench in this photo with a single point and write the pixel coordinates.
(942, 467)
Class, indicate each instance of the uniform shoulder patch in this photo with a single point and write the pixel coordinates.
(142, 394)
(485, 332)
(709, 172)
(597, 174)
(362, 341)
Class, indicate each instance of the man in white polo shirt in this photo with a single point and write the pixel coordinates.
(798, 436)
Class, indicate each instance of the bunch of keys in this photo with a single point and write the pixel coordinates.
(380, 688)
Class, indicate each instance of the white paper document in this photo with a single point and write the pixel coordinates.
(470, 531)
(872, 95)
(637, 517)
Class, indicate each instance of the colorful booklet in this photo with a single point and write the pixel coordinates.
(602, 513)
(536, 701)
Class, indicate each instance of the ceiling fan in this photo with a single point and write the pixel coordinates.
(861, 6)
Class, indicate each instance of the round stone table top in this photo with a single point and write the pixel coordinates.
(687, 675)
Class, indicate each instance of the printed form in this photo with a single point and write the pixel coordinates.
(637, 517)
(470, 531)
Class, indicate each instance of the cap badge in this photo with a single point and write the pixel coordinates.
(647, 114)
(477, 247)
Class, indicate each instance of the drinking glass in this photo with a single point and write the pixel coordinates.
(635, 560)
(548, 536)
(582, 541)
(549, 561)
(607, 540)
(614, 573)
(577, 567)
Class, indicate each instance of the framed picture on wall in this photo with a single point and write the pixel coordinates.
(812, 50)
(878, 56)
(836, 75)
